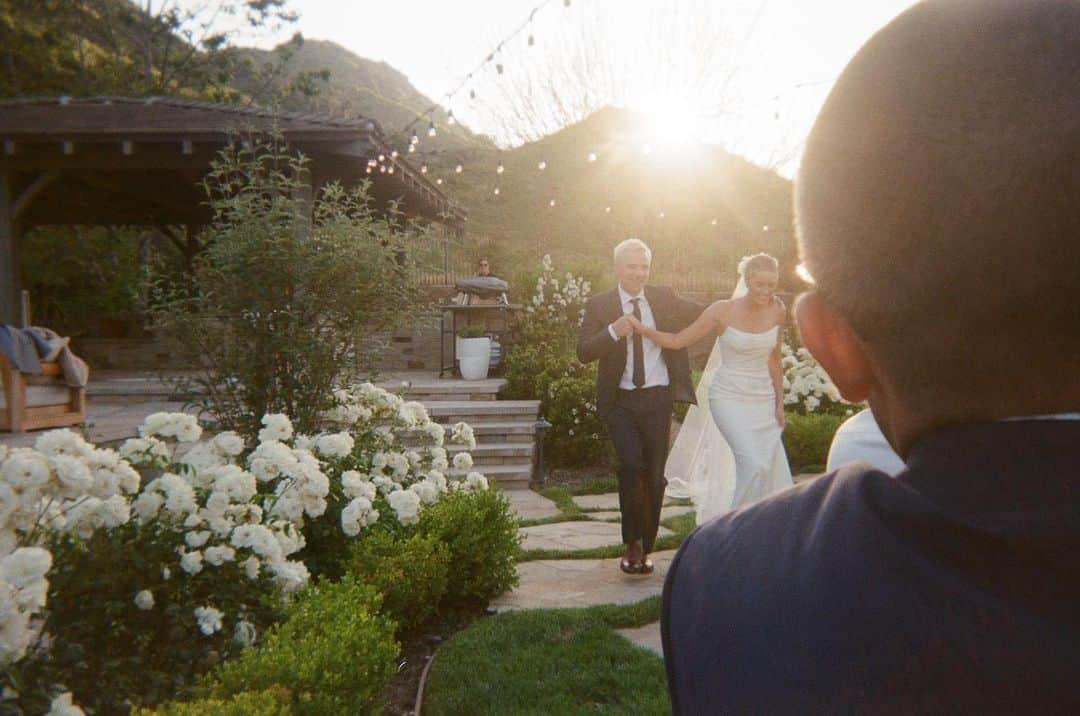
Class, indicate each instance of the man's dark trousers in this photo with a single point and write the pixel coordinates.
(639, 420)
(640, 424)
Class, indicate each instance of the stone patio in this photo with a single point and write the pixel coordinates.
(558, 583)
(531, 505)
(107, 421)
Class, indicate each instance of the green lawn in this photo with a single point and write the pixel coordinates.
(550, 661)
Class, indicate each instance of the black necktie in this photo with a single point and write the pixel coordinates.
(639, 349)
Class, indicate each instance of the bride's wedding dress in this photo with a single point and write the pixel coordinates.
(731, 455)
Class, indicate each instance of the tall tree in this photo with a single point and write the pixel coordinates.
(169, 47)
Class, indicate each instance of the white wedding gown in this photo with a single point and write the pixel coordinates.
(734, 456)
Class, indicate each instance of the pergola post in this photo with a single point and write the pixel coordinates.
(9, 285)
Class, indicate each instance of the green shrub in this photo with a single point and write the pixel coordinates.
(411, 573)
(271, 702)
(335, 653)
(107, 650)
(476, 331)
(278, 309)
(807, 438)
(482, 533)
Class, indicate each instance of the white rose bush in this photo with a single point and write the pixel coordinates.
(124, 573)
(807, 387)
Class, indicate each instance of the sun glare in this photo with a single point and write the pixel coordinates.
(670, 126)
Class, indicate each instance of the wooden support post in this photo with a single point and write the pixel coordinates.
(9, 286)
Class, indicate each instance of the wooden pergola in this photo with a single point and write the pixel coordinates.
(139, 161)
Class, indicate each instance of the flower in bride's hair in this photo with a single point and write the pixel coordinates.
(742, 264)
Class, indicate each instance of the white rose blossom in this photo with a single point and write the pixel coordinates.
(476, 481)
(406, 505)
(145, 600)
(64, 705)
(463, 461)
(208, 619)
(277, 427)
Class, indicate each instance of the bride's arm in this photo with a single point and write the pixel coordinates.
(776, 372)
(707, 322)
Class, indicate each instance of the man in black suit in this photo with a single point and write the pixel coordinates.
(636, 385)
(938, 204)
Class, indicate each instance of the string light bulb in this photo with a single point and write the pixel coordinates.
(592, 156)
(458, 169)
(394, 154)
(431, 130)
(713, 222)
(646, 150)
(423, 168)
(382, 157)
(662, 215)
(607, 209)
(368, 170)
(382, 168)
(500, 169)
(412, 148)
(765, 228)
(551, 203)
(414, 139)
(496, 192)
(390, 170)
(542, 165)
(450, 117)
(439, 180)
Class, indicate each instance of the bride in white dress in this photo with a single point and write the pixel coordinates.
(736, 457)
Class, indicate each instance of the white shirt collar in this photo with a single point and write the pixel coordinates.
(626, 297)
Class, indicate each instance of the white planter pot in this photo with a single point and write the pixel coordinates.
(474, 357)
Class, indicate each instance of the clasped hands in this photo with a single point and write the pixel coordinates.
(627, 324)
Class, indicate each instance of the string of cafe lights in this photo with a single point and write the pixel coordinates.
(384, 162)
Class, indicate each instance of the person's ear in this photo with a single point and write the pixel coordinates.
(832, 342)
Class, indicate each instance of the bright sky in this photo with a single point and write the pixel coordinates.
(747, 74)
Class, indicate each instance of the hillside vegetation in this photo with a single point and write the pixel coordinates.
(700, 207)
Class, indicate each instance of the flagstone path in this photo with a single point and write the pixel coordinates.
(569, 583)
(576, 535)
(561, 583)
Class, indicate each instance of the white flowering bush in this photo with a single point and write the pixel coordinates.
(807, 387)
(386, 461)
(557, 302)
(125, 572)
(543, 365)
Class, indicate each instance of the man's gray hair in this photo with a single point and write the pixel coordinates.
(632, 244)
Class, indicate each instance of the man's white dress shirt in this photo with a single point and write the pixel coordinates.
(656, 372)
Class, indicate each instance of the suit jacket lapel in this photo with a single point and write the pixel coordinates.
(614, 305)
(615, 311)
(655, 305)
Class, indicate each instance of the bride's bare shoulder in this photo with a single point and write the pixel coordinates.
(720, 310)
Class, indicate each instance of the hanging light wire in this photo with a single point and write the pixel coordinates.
(489, 57)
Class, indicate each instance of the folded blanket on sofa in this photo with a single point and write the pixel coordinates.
(28, 348)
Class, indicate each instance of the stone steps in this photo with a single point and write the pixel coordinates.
(478, 412)
(454, 390)
(504, 429)
(508, 477)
